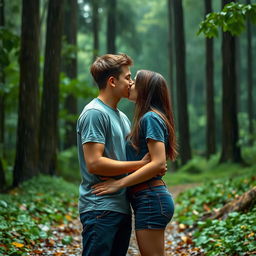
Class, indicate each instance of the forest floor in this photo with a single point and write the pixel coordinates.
(178, 240)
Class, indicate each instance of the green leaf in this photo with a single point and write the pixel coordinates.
(67, 240)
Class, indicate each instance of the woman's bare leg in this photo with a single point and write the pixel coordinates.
(151, 242)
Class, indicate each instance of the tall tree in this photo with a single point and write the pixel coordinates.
(2, 81)
(183, 121)
(230, 148)
(70, 67)
(210, 127)
(26, 161)
(48, 138)
(111, 26)
(95, 27)
(2, 105)
(249, 79)
(171, 47)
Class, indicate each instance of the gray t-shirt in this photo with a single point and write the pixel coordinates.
(101, 124)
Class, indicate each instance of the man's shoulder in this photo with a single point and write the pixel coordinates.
(123, 115)
(93, 108)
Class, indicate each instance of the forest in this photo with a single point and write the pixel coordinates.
(206, 50)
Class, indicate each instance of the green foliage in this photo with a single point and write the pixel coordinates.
(28, 212)
(231, 19)
(68, 51)
(199, 169)
(9, 42)
(233, 236)
(76, 88)
(68, 165)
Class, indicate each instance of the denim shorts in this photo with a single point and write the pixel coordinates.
(153, 208)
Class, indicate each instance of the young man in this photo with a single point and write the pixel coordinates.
(101, 133)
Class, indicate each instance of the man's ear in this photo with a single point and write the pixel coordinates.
(111, 81)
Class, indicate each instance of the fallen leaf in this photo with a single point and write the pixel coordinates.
(251, 234)
(206, 208)
(182, 226)
(58, 253)
(68, 217)
(19, 245)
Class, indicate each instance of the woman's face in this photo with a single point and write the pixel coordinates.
(133, 92)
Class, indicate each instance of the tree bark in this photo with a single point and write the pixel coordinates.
(26, 161)
(249, 80)
(95, 28)
(183, 121)
(2, 82)
(2, 105)
(50, 99)
(230, 148)
(2, 176)
(171, 48)
(210, 127)
(70, 68)
(244, 202)
(111, 26)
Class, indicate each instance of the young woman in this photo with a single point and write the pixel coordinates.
(153, 132)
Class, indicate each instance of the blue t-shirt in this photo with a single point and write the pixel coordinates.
(101, 124)
(152, 126)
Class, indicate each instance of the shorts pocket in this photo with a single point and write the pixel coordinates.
(166, 204)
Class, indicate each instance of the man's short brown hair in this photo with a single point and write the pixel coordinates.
(109, 65)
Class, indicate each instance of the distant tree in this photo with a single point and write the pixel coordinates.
(48, 138)
(2, 79)
(26, 161)
(69, 65)
(183, 121)
(230, 148)
(210, 125)
(171, 47)
(2, 104)
(111, 25)
(95, 27)
(249, 79)
(232, 21)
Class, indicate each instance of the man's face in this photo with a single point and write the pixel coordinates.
(124, 83)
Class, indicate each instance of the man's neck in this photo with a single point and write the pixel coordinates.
(109, 100)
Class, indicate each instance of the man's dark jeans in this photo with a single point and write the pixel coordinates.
(105, 233)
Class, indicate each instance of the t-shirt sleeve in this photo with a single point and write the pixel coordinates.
(153, 128)
(92, 127)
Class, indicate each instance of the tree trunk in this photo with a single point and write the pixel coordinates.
(171, 49)
(183, 121)
(26, 162)
(2, 82)
(230, 148)
(2, 105)
(2, 176)
(111, 26)
(238, 75)
(244, 202)
(210, 127)
(95, 28)
(249, 80)
(70, 68)
(50, 99)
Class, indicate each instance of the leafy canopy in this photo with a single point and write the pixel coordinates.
(231, 19)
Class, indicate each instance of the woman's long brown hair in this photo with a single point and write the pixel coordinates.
(153, 96)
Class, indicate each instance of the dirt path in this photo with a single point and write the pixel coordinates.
(178, 241)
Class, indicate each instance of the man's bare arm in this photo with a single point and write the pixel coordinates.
(100, 165)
